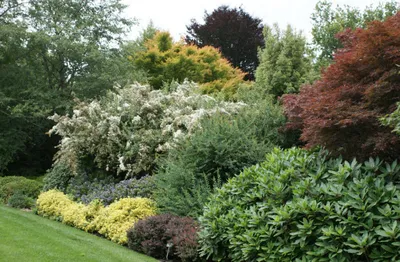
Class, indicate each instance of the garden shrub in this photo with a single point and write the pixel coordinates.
(165, 234)
(14, 185)
(109, 191)
(7, 179)
(165, 61)
(125, 131)
(305, 206)
(393, 120)
(112, 221)
(222, 148)
(19, 200)
(52, 204)
(57, 177)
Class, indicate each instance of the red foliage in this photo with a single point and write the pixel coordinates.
(152, 235)
(341, 111)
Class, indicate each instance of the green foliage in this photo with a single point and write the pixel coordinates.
(48, 50)
(57, 178)
(304, 206)
(125, 131)
(327, 22)
(222, 148)
(18, 191)
(20, 200)
(284, 62)
(165, 62)
(393, 120)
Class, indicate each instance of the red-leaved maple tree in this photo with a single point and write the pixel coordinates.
(341, 111)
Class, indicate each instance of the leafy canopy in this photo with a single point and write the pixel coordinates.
(234, 32)
(49, 49)
(329, 21)
(341, 111)
(284, 64)
(165, 61)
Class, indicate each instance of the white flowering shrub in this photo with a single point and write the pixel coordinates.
(128, 128)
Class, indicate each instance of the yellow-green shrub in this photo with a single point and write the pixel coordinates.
(165, 61)
(112, 221)
(82, 216)
(52, 204)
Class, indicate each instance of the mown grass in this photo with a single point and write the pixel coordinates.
(27, 237)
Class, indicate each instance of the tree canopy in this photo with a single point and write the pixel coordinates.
(328, 21)
(50, 49)
(284, 64)
(341, 111)
(234, 32)
(166, 61)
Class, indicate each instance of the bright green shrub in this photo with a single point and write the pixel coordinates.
(112, 221)
(303, 206)
(7, 179)
(165, 62)
(10, 186)
(393, 120)
(222, 148)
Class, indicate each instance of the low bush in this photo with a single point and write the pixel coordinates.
(115, 220)
(92, 184)
(52, 204)
(304, 206)
(165, 236)
(108, 191)
(20, 201)
(21, 186)
(7, 179)
(112, 221)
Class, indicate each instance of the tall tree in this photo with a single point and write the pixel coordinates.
(284, 64)
(234, 32)
(48, 50)
(328, 21)
(342, 111)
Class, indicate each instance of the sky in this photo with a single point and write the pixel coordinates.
(174, 15)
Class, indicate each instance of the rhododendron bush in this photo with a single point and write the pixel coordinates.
(127, 129)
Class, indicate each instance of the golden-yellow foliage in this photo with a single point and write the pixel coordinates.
(165, 61)
(112, 221)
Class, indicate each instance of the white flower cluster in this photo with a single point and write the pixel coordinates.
(129, 127)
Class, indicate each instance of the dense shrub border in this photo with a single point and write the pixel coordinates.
(112, 221)
(303, 206)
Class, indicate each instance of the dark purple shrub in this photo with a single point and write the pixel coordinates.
(165, 234)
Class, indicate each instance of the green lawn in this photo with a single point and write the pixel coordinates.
(27, 237)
